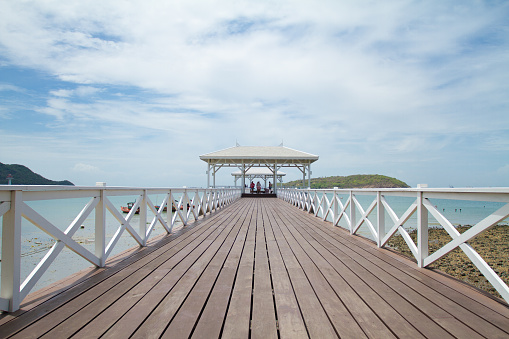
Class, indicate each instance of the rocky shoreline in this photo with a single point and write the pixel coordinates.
(492, 245)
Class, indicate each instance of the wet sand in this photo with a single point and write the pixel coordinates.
(492, 246)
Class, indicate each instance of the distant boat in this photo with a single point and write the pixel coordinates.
(129, 207)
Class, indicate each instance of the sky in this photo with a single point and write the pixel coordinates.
(131, 93)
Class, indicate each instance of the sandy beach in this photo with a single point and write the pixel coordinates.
(492, 246)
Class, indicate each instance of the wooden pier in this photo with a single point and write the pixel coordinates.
(258, 268)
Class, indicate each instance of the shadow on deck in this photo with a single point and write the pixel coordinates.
(259, 195)
(259, 268)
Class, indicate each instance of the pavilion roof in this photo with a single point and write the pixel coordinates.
(261, 155)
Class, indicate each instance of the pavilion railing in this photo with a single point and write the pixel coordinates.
(182, 204)
(343, 208)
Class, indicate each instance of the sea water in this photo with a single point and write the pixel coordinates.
(35, 243)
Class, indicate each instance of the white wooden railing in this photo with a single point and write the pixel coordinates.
(13, 209)
(341, 206)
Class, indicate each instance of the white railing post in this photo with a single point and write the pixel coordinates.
(143, 218)
(422, 230)
(316, 203)
(209, 201)
(169, 204)
(169, 210)
(11, 254)
(324, 206)
(335, 212)
(221, 198)
(353, 220)
(380, 219)
(100, 228)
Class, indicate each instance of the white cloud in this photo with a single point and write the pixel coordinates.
(81, 91)
(85, 91)
(389, 80)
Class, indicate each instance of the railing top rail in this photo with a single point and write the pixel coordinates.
(48, 192)
(500, 194)
(504, 190)
(76, 188)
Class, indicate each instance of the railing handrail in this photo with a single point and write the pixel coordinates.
(317, 202)
(412, 189)
(13, 209)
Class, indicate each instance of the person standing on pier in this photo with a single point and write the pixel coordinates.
(258, 187)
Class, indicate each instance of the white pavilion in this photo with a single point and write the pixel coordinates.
(247, 157)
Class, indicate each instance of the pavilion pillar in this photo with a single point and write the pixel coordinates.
(303, 176)
(208, 175)
(214, 177)
(309, 175)
(243, 190)
(274, 180)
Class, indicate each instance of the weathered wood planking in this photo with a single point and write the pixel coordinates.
(259, 268)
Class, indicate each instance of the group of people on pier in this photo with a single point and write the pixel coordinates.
(259, 187)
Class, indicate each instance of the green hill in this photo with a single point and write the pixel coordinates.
(22, 175)
(352, 181)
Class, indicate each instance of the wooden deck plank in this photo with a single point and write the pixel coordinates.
(458, 319)
(211, 320)
(432, 304)
(371, 325)
(403, 308)
(342, 320)
(358, 262)
(290, 321)
(238, 318)
(156, 324)
(259, 268)
(383, 308)
(182, 324)
(137, 315)
(317, 322)
(128, 299)
(106, 319)
(263, 320)
(475, 307)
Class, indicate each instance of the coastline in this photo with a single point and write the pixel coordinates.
(492, 245)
